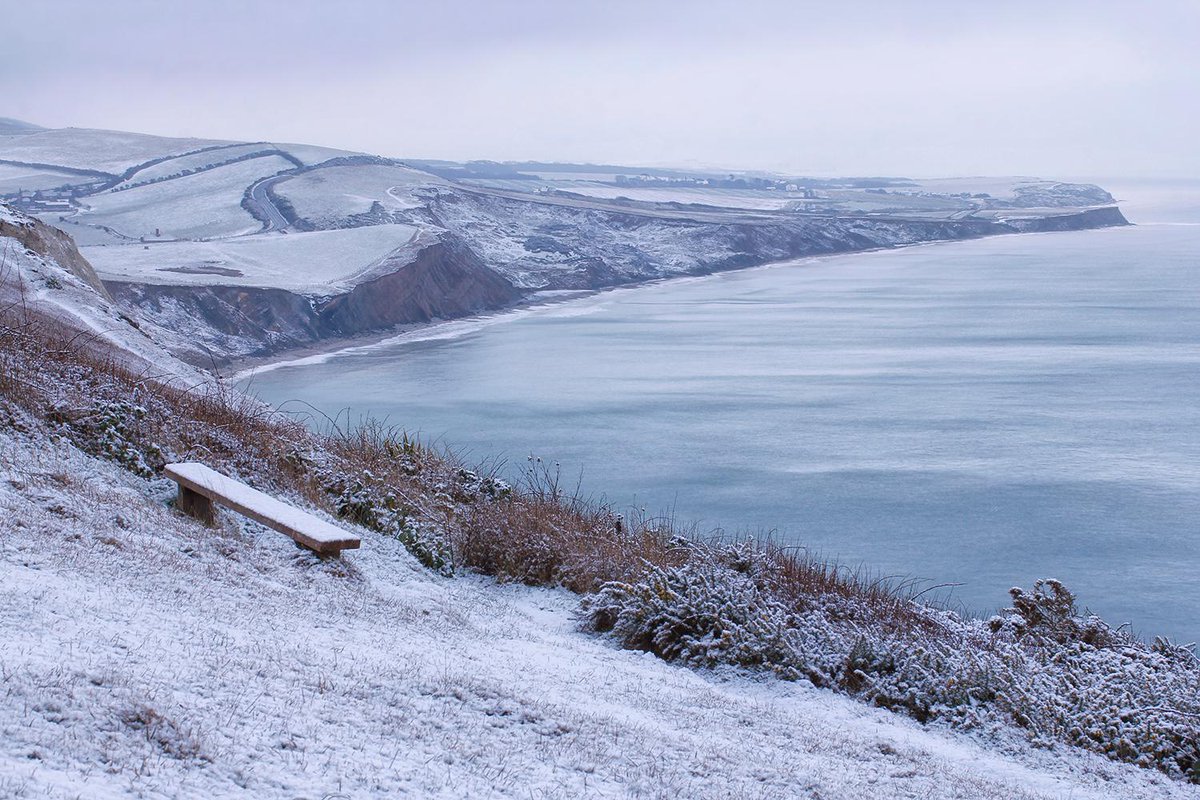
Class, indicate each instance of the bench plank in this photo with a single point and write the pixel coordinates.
(310, 531)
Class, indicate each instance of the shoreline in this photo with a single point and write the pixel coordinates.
(242, 369)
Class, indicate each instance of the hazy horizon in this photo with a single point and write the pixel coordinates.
(871, 88)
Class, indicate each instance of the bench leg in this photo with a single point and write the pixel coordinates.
(196, 505)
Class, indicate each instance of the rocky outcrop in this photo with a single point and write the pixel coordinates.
(1107, 217)
(50, 243)
(446, 280)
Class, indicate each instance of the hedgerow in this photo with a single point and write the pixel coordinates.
(1061, 676)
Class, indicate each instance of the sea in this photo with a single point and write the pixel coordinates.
(960, 417)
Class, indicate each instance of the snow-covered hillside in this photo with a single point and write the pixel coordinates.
(202, 205)
(318, 262)
(148, 656)
(103, 151)
(43, 277)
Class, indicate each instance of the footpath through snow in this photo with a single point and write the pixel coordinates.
(144, 655)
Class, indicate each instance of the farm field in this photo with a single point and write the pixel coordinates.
(204, 205)
(319, 262)
(103, 151)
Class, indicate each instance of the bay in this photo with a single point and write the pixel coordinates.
(982, 413)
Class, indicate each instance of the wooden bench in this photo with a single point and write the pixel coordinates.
(200, 487)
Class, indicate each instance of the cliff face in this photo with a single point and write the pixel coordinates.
(1108, 217)
(493, 251)
(542, 245)
(446, 280)
(214, 324)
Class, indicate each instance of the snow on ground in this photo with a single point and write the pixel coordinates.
(11, 216)
(1000, 188)
(193, 161)
(148, 656)
(312, 154)
(82, 233)
(86, 148)
(13, 179)
(28, 280)
(319, 262)
(204, 205)
(722, 198)
(330, 194)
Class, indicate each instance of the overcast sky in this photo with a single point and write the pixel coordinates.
(1052, 88)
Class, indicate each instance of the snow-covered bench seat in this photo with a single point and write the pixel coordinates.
(200, 487)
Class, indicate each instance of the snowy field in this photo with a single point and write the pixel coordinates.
(14, 178)
(1000, 188)
(207, 204)
(82, 234)
(149, 656)
(85, 148)
(194, 161)
(311, 154)
(721, 198)
(333, 193)
(317, 262)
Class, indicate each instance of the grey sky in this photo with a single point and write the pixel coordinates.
(1059, 88)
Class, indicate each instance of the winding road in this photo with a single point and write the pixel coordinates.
(275, 221)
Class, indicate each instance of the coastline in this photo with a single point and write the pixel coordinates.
(239, 370)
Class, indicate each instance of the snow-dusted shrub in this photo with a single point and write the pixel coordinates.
(365, 500)
(113, 429)
(704, 613)
(472, 486)
(1041, 666)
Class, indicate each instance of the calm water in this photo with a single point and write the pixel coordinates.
(985, 412)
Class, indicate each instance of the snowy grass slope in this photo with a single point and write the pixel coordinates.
(14, 179)
(149, 656)
(86, 148)
(191, 161)
(310, 154)
(39, 286)
(328, 196)
(203, 205)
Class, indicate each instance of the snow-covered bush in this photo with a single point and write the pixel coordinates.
(1041, 666)
(113, 430)
(366, 501)
(472, 486)
(704, 613)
